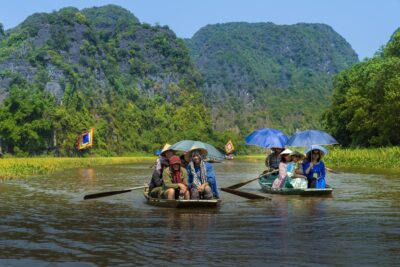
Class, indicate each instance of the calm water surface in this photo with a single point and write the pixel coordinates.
(44, 221)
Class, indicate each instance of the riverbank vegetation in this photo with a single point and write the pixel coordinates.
(367, 158)
(138, 86)
(24, 167)
(338, 158)
(366, 101)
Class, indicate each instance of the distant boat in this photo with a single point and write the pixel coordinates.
(229, 156)
(266, 187)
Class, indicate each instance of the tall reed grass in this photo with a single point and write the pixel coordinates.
(23, 167)
(370, 158)
(375, 158)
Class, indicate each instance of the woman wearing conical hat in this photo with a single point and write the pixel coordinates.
(295, 177)
(284, 161)
(166, 154)
(201, 176)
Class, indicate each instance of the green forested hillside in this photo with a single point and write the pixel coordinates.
(140, 86)
(67, 71)
(366, 102)
(263, 75)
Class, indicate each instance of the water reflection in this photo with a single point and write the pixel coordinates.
(44, 219)
(87, 176)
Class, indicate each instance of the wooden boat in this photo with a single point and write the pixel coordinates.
(266, 183)
(181, 203)
(229, 156)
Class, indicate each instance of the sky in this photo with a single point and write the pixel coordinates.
(365, 24)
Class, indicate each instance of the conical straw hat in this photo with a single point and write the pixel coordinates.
(165, 149)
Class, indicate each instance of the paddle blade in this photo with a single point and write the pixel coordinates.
(236, 186)
(110, 193)
(105, 194)
(243, 194)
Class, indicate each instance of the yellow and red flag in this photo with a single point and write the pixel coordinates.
(229, 148)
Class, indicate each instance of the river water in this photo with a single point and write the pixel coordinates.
(45, 222)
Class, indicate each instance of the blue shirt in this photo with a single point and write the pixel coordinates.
(316, 172)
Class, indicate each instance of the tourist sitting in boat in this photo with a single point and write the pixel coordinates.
(183, 161)
(283, 164)
(272, 161)
(295, 177)
(166, 154)
(314, 167)
(156, 182)
(201, 177)
(297, 159)
(175, 180)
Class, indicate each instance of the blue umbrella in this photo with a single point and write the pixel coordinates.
(321, 148)
(311, 137)
(267, 137)
(157, 152)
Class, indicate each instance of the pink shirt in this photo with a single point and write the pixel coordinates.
(279, 182)
(282, 170)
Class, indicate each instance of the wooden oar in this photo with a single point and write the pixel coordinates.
(236, 186)
(110, 193)
(243, 194)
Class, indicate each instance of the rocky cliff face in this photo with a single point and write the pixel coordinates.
(64, 72)
(103, 59)
(92, 49)
(262, 74)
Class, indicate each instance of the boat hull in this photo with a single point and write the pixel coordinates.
(266, 183)
(181, 203)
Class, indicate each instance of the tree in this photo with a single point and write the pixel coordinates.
(1, 30)
(366, 101)
(26, 121)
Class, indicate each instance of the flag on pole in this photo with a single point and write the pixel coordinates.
(85, 140)
(229, 148)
